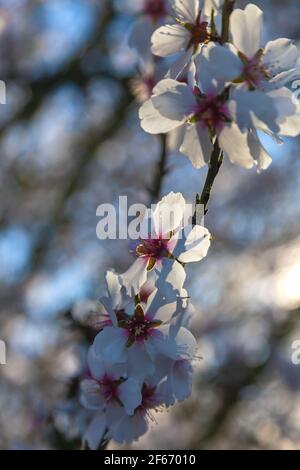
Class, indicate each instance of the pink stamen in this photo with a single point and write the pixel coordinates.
(149, 399)
(140, 330)
(211, 112)
(109, 388)
(153, 248)
(254, 72)
(199, 34)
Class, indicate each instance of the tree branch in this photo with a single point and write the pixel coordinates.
(215, 163)
(226, 12)
(161, 170)
(216, 158)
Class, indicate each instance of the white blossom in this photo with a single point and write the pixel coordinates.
(152, 13)
(138, 339)
(189, 31)
(141, 360)
(261, 67)
(166, 242)
(114, 302)
(126, 429)
(211, 111)
(116, 424)
(177, 385)
(108, 386)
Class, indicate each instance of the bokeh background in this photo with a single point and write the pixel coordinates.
(69, 141)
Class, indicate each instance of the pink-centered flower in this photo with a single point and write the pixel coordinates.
(185, 36)
(152, 13)
(167, 241)
(210, 111)
(261, 67)
(108, 386)
(260, 98)
(213, 110)
(121, 427)
(176, 384)
(126, 428)
(113, 305)
(143, 336)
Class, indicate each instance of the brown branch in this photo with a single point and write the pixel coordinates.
(216, 158)
(161, 170)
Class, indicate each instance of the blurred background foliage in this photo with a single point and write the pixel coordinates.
(69, 141)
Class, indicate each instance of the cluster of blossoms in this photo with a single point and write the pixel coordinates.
(236, 89)
(141, 360)
(223, 88)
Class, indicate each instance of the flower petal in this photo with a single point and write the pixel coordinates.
(285, 102)
(110, 344)
(168, 214)
(197, 145)
(171, 279)
(181, 64)
(130, 395)
(91, 397)
(175, 138)
(135, 276)
(169, 39)
(196, 245)
(280, 55)
(235, 145)
(95, 431)
(291, 125)
(258, 152)
(153, 122)
(187, 11)
(129, 428)
(185, 344)
(285, 77)
(216, 65)
(182, 374)
(266, 107)
(176, 102)
(246, 27)
(212, 5)
(165, 312)
(99, 368)
(177, 347)
(139, 362)
(114, 287)
(96, 365)
(154, 302)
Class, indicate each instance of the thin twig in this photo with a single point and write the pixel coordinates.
(215, 163)
(226, 12)
(216, 158)
(161, 170)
